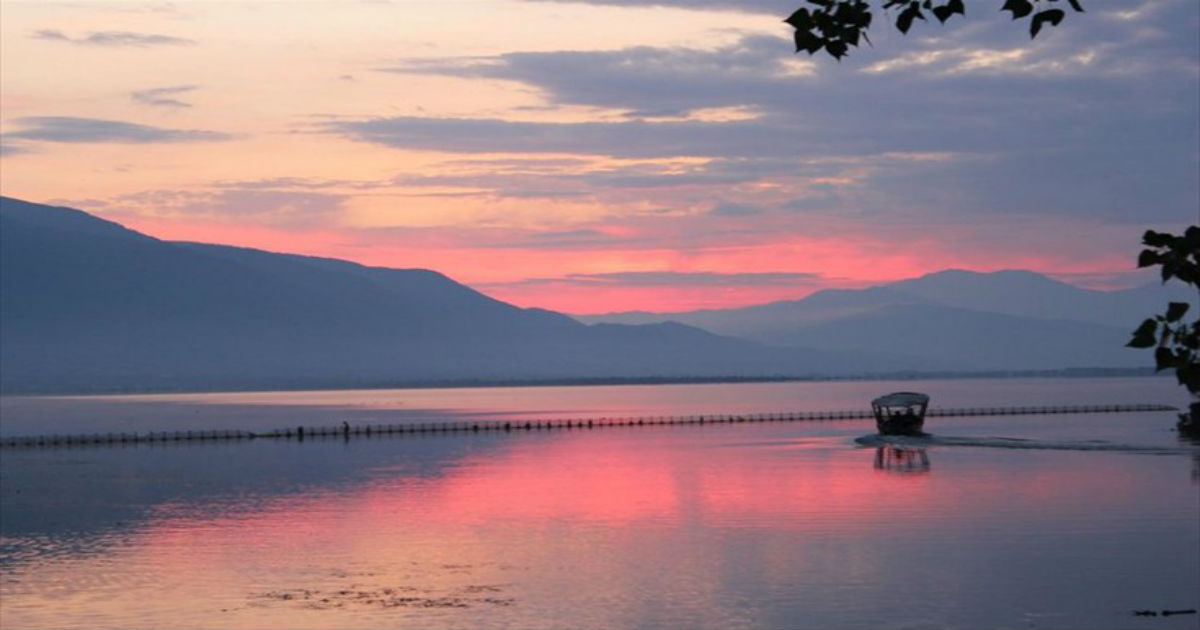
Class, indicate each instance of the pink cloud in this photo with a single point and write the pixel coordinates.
(694, 262)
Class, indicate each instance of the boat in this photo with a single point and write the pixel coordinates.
(900, 413)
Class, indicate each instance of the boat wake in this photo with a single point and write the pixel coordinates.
(925, 441)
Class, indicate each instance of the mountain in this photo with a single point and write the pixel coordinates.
(1029, 294)
(88, 305)
(962, 339)
(957, 320)
(772, 322)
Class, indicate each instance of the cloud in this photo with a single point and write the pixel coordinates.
(8, 149)
(114, 39)
(980, 91)
(728, 209)
(280, 208)
(162, 97)
(1128, 34)
(583, 239)
(769, 7)
(521, 165)
(68, 129)
(636, 139)
(650, 82)
(987, 54)
(679, 279)
(538, 177)
(298, 184)
(1093, 118)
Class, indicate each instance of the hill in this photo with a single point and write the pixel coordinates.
(956, 320)
(88, 305)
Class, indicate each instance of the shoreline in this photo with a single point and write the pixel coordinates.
(464, 427)
(1068, 373)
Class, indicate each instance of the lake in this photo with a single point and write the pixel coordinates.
(1032, 521)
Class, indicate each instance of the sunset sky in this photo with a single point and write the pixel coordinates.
(617, 154)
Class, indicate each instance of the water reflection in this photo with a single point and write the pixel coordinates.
(767, 525)
(1194, 443)
(35, 415)
(894, 459)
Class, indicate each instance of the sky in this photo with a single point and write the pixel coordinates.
(613, 155)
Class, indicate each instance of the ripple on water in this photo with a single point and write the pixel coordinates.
(929, 440)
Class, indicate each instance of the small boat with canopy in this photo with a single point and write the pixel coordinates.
(900, 413)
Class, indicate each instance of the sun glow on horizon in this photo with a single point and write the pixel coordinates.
(659, 159)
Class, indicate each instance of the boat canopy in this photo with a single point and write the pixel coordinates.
(901, 399)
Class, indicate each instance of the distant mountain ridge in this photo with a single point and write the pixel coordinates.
(88, 305)
(959, 320)
(1029, 294)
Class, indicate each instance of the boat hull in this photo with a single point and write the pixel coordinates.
(900, 426)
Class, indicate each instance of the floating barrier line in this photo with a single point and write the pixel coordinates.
(347, 431)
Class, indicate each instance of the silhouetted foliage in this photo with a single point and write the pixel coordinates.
(1176, 341)
(836, 25)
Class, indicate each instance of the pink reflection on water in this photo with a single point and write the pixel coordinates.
(595, 524)
(635, 478)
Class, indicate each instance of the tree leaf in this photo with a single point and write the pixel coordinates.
(800, 20)
(806, 41)
(1053, 16)
(1157, 239)
(837, 48)
(905, 19)
(1144, 336)
(1164, 358)
(1175, 311)
(1192, 235)
(1148, 257)
(1018, 8)
(1075, 5)
(1189, 376)
(845, 12)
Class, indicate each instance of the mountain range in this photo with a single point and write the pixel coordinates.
(87, 305)
(949, 320)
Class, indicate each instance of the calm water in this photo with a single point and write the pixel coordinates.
(779, 525)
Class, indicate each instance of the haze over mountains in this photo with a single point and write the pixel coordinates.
(88, 305)
(956, 320)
